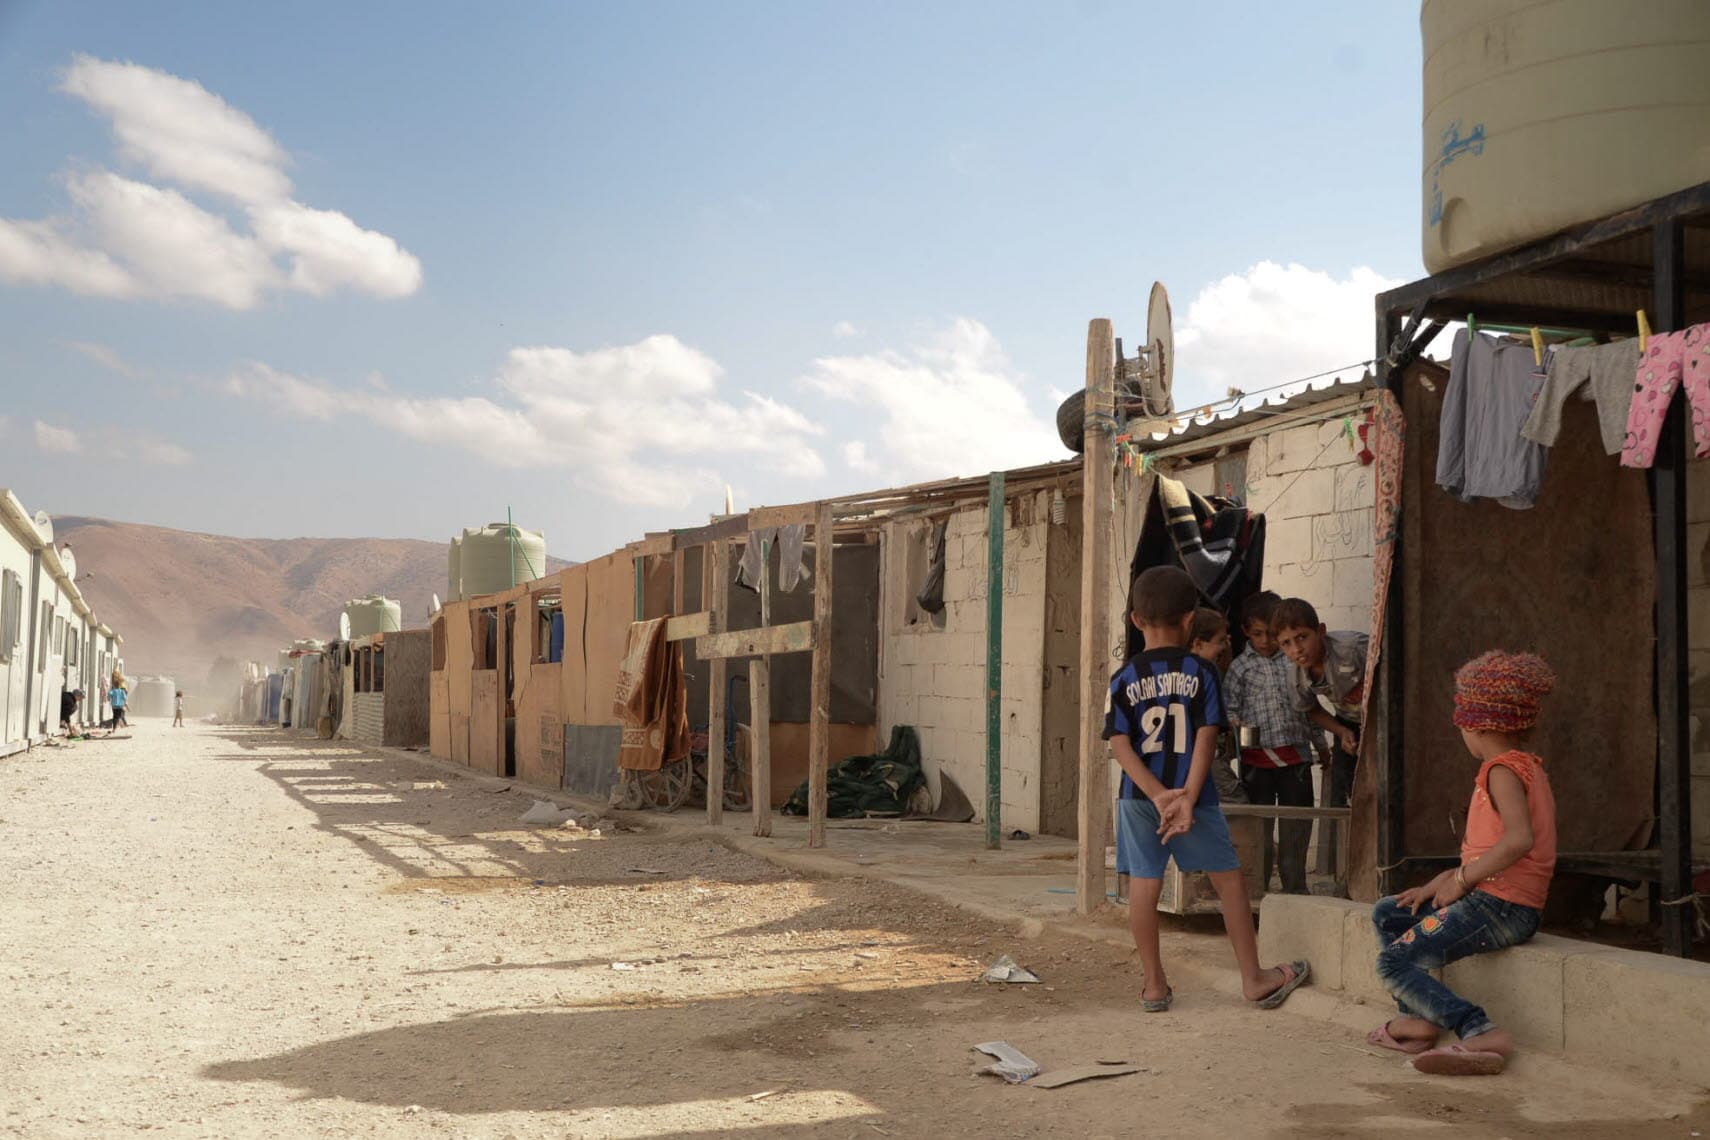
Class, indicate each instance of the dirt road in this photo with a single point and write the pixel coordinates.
(227, 932)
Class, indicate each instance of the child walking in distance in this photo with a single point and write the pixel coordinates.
(1277, 768)
(1493, 899)
(1209, 641)
(1166, 707)
(178, 709)
(118, 699)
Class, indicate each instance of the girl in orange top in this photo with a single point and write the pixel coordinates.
(1494, 898)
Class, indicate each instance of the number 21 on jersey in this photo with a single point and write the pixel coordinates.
(1152, 725)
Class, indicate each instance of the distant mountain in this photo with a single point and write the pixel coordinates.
(181, 600)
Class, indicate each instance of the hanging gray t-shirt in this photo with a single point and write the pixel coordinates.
(1480, 452)
(1606, 373)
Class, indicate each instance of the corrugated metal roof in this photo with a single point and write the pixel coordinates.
(1217, 423)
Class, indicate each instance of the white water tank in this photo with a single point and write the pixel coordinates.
(499, 556)
(373, 614)
(1544, 114)
(454, 567)
(152, 696)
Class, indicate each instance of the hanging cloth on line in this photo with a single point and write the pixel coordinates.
(1221, 545)
(1600, 372)
(1480, 451)
(789, 541)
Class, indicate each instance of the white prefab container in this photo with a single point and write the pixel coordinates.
(1544, 114)
(373, 614)
(454, 568)
(499, 556)
(152, 696)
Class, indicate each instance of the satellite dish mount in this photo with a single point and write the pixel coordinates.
(1145, 381)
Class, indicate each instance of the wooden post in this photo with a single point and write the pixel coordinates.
(994, 663)
(640, 586)
(819, 699)
(679, 588)
(716, 599)
(1674, 733)
(760, 708)
(1098, 516)
(1390, 776)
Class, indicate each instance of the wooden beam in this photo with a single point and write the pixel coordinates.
(797, 513)
(760, 757)
(735, 526)
(679, 588)
(652, 544)
(1674, 699)
(995, 519)
(1098, 511)
(688, 627)
(1283, 811)
(715, 594)
(819, 687)
(797, 637)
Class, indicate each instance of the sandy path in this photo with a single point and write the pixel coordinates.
(214, 932)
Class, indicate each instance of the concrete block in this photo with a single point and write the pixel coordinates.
(1258, 455)
(1302, 926)
(1354, 487)
(965, 682)
(1359, 958)
(1302, 495)
(1293, 580)
(1640, 1011)
(1289, 540)
(1352, 582)
(1292, 450)
(1201, 478)
(1521, 987)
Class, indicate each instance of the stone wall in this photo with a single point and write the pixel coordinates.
(932, 675)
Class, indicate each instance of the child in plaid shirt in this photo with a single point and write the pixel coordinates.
(1260, 693)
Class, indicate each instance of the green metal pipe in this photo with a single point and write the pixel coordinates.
(994, 663)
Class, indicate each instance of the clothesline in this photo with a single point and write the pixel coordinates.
(1237, 396)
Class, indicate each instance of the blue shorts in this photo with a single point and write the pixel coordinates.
(1141, 854)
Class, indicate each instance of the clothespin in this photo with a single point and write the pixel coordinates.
(1644, 330)
(1472, 324)
(1348, 431)
(1537, 346)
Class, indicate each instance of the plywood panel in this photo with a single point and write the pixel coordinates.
(573, 676)
(439, 717)
(540, 729)
(460, 738)
(484, 725)
(611, 607)
(790, 752)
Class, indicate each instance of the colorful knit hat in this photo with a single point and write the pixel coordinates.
(1501, 692)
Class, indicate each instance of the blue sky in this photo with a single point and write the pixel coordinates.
(387, 269)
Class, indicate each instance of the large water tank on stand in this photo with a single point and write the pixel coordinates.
(454, 567)
(152, 696)
(499, 556)
(373, 614)
(1544, 114)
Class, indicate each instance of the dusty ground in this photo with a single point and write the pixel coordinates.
(216, 932)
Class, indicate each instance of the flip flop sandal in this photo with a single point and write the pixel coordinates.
(1158, 1005)
(1382, 1038)
(1297, 972)
(1459, 1061)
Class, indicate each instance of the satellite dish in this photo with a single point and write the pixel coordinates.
(344, 627)
(435, 608)
(44, 526)
(1160, 378)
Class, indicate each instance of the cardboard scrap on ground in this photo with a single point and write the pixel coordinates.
(1012, 1064)
(1057, 1078)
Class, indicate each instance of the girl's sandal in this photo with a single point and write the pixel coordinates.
(1382, 1038)
(1294, 976)
(1158, 1005)
(1459, 1061)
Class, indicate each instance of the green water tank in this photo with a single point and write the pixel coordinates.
(499, 556)
(373, 614)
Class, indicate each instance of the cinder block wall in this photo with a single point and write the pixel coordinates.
(1316, 497)
(934, 679)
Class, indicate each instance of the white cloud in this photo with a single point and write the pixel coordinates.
(1271, 324)
(952, 406)
(855, 455)
(643, 423)
(180, 130)
(57, 439)
(106, 357)
(843, 330)
(156, 452)
(132, 239)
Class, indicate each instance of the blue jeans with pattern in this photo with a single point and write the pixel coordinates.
(1412, 945)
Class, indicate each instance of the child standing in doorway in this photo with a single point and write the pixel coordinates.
(1277, 768)
(1166, 707)
(178, 709)
(1209, 641)
(1494, 898)
(1331, 666)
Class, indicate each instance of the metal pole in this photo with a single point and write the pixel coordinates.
(994, 663)
(1674, 700)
